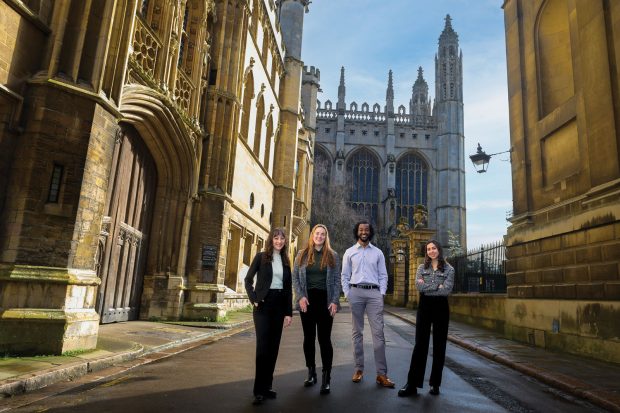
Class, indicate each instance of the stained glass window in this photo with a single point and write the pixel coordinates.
(411, 186)
(363, 178)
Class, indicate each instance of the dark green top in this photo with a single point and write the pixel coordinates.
(315, 276)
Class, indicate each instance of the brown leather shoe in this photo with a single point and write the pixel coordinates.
(357, 376)
(383, 380)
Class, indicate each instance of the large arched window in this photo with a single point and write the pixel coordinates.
(411, 186)
(363, 176)
(248, 95)
(268, 138)
(258, 128)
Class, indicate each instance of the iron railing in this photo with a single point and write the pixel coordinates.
(482, 270)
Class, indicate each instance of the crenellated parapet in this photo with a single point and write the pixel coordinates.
(365, 114)
(311, 75)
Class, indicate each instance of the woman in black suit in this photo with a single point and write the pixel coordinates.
(272, 298)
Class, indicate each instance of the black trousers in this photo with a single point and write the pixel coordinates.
(317, 321)
(268, 323)
(433, 311)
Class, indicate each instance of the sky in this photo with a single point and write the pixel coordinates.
(370, 37)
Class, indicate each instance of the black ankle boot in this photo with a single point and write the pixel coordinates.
(311, 377)
(325, 384)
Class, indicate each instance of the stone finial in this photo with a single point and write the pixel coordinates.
(448, 26)
(448, 31)
(341, 90)
(389, 95)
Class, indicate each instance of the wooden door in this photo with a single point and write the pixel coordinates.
(124, 237)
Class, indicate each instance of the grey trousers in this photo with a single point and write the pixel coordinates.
(369, 302)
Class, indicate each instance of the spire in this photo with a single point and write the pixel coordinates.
(448, 65)
(420, 104)
(448, 31)
(448, 27)
(389, 95)
(341, 91)
(420, 80)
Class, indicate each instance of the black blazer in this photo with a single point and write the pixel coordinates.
(264, 275)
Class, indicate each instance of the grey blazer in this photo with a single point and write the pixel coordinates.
(333, 281)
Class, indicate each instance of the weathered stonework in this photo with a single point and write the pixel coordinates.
(562, 246)
(137, 160)
(47, 310)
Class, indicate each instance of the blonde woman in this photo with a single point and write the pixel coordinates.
(316, 283)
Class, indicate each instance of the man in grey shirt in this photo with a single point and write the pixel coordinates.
(364, 283)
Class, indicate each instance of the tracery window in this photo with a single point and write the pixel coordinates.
(268, 138)
(411, 186)
(260, 115)
(363, 178)
(144, 9)
(184, 36)
(248, 95)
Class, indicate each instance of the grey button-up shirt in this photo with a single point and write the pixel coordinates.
(363, 265)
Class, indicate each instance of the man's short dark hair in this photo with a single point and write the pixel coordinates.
(357, 227)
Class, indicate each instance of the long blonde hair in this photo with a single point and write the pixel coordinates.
(307, 253)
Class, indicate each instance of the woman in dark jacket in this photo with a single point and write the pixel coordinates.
(316, 282)
(272, 299)
(434, 281)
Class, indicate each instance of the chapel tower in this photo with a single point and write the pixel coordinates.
(448, 111)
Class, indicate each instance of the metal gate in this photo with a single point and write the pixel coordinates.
(482, 270)
(127, 220)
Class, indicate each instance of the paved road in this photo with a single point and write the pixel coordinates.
(218, 378)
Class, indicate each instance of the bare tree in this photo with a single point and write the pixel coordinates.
(329, 207)
(454, 246)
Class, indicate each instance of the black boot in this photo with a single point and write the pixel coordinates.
(311, 377)
(325, 384)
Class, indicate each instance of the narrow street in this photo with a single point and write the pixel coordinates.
(218, 378)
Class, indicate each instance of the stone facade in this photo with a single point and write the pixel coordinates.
(393, 159)
(563, 244)
(145, 153)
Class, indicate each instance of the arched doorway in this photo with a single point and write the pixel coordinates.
(126, 224)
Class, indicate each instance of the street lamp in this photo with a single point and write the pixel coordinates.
(481, 159)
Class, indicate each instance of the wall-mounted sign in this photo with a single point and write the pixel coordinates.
(209, 256)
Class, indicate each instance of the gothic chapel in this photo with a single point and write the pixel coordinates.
(393, 159)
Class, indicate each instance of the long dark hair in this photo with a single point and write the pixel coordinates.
(357, 227)
(268, 255)
(441, 262)
(307, 253)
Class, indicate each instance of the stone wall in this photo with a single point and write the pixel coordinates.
(585, 328)
(563, 244)
(582, 264)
